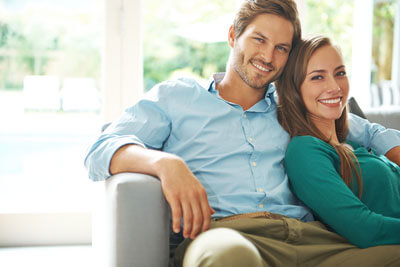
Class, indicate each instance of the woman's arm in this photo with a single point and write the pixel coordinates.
(320, 187)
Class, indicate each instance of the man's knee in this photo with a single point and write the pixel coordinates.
(222, 247)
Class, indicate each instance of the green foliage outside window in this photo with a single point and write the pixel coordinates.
(382, 46)
(332, 18)
(71, 45)
(29, 45)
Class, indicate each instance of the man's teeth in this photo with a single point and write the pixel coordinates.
(330, 101)
(260, 67)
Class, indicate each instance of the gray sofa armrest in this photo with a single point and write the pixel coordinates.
(138, 221)
(388, 116)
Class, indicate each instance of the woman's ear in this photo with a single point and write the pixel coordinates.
(231, 36)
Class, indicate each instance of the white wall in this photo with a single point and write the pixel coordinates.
(362, 52)
(123, 74)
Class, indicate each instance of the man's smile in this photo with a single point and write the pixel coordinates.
(258, 66)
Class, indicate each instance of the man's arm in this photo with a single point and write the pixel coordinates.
(373, 135)
(184, 193)
(132, 144)
(394, 155)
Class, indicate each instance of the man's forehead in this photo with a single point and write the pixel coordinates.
(272, 26)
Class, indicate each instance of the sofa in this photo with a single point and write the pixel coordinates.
(137, 224)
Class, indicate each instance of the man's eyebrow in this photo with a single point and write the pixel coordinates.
(265, 37)
(261, 35)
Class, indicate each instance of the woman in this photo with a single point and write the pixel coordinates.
(352, 190)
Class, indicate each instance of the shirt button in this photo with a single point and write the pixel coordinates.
(261, 206)
(260, 190)
(250, 140)
(245, 116)
(254, 163)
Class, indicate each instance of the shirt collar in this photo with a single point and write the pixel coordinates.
(263, 105)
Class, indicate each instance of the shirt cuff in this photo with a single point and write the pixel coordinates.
(98, 162)
(372, 135)
(386, 140)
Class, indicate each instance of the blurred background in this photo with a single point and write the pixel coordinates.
(69, 66)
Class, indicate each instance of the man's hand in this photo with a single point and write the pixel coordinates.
(185, 195)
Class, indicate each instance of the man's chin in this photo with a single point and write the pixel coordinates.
(259, 84)
(254, 80)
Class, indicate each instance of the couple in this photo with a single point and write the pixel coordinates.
(219, 154)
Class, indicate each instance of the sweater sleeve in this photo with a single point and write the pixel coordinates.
(310, 165)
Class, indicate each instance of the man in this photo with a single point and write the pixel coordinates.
(218, 151)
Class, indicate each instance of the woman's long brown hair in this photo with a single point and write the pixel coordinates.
(293, 115)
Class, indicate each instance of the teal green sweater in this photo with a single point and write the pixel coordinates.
(313, 168)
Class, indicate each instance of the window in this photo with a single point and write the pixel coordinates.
(385, 87)
(185, 38)
(50, 101)
(367, 32)
(178, 41)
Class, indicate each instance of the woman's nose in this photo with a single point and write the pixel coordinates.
(333, 86)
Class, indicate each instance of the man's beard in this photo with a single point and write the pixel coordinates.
(258, 82)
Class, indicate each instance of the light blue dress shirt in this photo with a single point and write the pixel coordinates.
(237, 155)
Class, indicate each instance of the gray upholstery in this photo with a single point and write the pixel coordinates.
(138, 228)
(388, 117)
(138, 222)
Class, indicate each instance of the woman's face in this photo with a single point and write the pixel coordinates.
(325, 88)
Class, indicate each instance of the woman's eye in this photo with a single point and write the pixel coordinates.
(341, 73)
(317, 77)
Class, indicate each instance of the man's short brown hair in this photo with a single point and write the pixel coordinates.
(252, 8)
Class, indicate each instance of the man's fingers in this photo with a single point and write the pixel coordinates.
(212, 211)
(187, 218)
(197, 219)
(176, 213)
(206, 211)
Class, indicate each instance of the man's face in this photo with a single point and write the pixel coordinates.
(262, 50)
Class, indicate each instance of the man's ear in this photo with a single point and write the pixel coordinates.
(231, 36)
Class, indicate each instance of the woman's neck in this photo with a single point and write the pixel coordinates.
(327, 128)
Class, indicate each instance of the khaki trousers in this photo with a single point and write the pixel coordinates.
(256, 242)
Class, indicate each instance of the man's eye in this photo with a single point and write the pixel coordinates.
(260, 40)
(317, 77)
(282, 48)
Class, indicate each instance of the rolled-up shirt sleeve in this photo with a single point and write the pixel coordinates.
(145, 124)
(372, 135)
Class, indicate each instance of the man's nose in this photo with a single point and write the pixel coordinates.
(268, 53)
